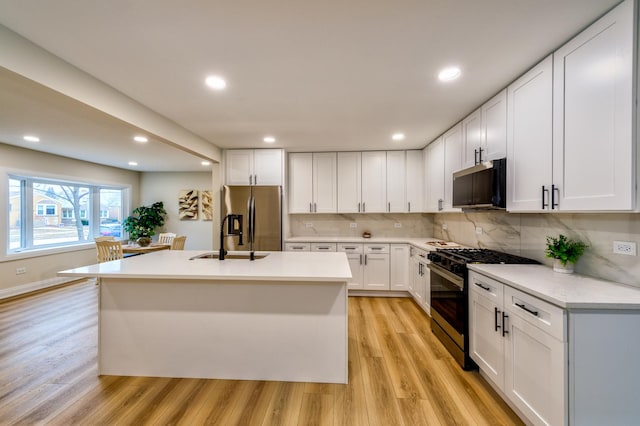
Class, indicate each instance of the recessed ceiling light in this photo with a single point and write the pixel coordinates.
(205, 163)
(31, 138)
(133, 163)
(449, 74)
(397, 136)
(215, 82)
(141, 139)
(269, 139)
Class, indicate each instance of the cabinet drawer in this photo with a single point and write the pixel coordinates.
(297, 247)
(487, 287)
(350, 248)
(323, 247)
(545, 316)
(376, 248)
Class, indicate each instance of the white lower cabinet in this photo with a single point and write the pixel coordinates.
(320, 247)
(399, 267)
(356, 263)
(520, 343)
(420, 287)
(376, 266)
(297, 247)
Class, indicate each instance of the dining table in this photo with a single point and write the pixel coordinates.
(137, 249)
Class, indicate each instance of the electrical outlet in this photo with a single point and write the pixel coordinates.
(478, 230)
(397, 225)
(353, 225)
(444, 226)
(20, 271)
(625, 247)
(308, 225)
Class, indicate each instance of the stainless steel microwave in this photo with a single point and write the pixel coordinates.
(482, 186)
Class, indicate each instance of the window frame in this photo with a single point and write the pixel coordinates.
(28, 211)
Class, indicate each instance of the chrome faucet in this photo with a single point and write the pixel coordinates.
(234, 227)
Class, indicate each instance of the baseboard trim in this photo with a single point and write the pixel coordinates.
(19, 290)
(379, 293)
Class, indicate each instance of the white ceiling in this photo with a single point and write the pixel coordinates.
(323, 75)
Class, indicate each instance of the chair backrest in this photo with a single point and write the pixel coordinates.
(178, 243)
(166, 237)
(105, 238)
(109, 250)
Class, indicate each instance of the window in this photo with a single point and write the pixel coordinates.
(49, 213)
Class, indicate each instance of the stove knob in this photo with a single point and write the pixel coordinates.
(457, 268)
(434, 257)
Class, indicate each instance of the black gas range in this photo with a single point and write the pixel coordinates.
(450, 295)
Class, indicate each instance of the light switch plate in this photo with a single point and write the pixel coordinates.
(397, 225)
(353, 225)
(478, 230)
(629, 248)
(444, 227)
(308, 225)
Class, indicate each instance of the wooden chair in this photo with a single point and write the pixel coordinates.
(178, 243)
(105, 238)
(166, 237)
(109, 250)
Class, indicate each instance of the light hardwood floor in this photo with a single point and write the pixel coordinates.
(399, 374)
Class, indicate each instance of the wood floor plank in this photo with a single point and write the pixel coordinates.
(399, 373)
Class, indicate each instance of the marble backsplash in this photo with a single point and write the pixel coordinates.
(379, 225)
(525, 234)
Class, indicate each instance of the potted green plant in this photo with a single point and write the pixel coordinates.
(565, 253)
(144, 220)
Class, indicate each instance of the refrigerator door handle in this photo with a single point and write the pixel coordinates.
(249, 228)
(253, 219)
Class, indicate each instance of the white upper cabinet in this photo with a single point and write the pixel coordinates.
(452, 162)
(484, 132)
(396, 189)
(494, 128)
(301, 182)
(414, 179)
(529, 138)
(312, 183)
(471, 138)
(349, 182)
(435, 175)
(253, 166)
(593, 147)
(325, 197)
(374, 182)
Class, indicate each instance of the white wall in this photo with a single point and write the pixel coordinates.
(44, 268)
(164, 186)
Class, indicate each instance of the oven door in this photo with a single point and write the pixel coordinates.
(449, 301)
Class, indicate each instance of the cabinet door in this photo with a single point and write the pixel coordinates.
(413, 273)
(435, 173)
(374, 182)
(376, 271)
(267, 167)
(426, 285)
(239, 166)
(471, 139)
(300, 183)
(349, 182)
(357, 271)
(452, 162)
(486, 344)
(529, 138)
(297, 247)
(419, 284)
(325, 186)
(593, 116)
(396, 185)
(534, 372)
(414, 181)
(494, 128)
(399, 267)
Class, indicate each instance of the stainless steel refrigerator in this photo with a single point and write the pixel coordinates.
(261, 210)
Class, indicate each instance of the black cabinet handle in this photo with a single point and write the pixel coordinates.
(527, 309)
(480, 152)
(504, 324)
(553, 196)
(545, 191)
(483, 287)
(475, 157)
(496, 312)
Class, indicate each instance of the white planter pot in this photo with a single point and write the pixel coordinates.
(568, 268)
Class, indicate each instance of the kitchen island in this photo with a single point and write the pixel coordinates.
(282, 317)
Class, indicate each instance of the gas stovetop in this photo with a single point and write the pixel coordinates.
(455, 260)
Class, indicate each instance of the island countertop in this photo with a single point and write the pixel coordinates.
(175, 264)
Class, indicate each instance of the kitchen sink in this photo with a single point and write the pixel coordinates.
(215, 255)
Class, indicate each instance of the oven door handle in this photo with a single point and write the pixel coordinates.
(453, 278)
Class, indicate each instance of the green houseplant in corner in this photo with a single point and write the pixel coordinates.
(141, 225)
(565, 253)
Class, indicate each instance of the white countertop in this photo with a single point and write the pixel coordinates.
(420, 242)
(569, 291)
(175, 264)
